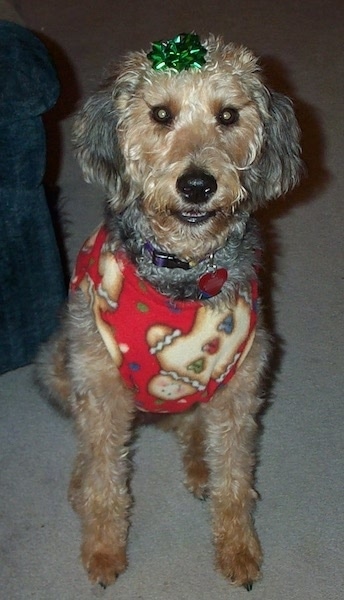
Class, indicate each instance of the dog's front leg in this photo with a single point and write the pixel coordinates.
(103, 409)
(231, 433)
(98, 489)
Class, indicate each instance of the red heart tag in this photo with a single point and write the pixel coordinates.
(212, 283)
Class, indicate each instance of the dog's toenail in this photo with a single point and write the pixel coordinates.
(249, 586)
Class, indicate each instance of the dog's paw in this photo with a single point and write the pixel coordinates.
(104, 567)
(196, 479)
(242, 568)
(197, 487)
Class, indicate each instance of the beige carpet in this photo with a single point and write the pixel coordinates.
(300, 477)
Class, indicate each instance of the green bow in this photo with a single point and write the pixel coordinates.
(183, 52)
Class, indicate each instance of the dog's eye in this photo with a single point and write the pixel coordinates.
(228, 116)
(161, 114)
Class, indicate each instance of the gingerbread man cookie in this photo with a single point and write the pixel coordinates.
(208, 352)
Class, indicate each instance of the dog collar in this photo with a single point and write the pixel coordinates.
(163, 259)
(209, 284)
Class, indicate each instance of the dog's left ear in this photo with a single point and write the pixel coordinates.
(278, 168)
(95, 141)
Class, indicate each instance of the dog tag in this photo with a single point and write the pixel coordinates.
(211, 283)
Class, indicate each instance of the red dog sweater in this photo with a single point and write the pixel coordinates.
(170, 353)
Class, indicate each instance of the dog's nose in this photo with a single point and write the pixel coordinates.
(196, 186)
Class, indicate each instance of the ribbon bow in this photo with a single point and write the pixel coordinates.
(182, 52)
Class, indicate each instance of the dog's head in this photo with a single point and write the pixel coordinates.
(189, 146)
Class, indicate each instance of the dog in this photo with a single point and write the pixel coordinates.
(164, 316)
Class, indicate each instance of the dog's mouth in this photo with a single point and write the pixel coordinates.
(194, 217)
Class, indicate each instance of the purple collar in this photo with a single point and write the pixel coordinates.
(209, 284)
(163, 259)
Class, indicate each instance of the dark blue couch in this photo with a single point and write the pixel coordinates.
(31, 279)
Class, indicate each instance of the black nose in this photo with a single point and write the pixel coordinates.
(196, 186)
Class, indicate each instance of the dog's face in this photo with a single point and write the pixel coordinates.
(190, 147)
(185, 139)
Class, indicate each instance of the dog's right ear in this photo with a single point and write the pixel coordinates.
(95, 141)
(279, 167)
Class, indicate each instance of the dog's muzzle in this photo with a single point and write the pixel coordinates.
(196, 187)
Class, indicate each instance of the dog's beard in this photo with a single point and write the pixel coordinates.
(190, 233)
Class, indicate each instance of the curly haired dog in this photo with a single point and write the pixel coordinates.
(164, 314)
